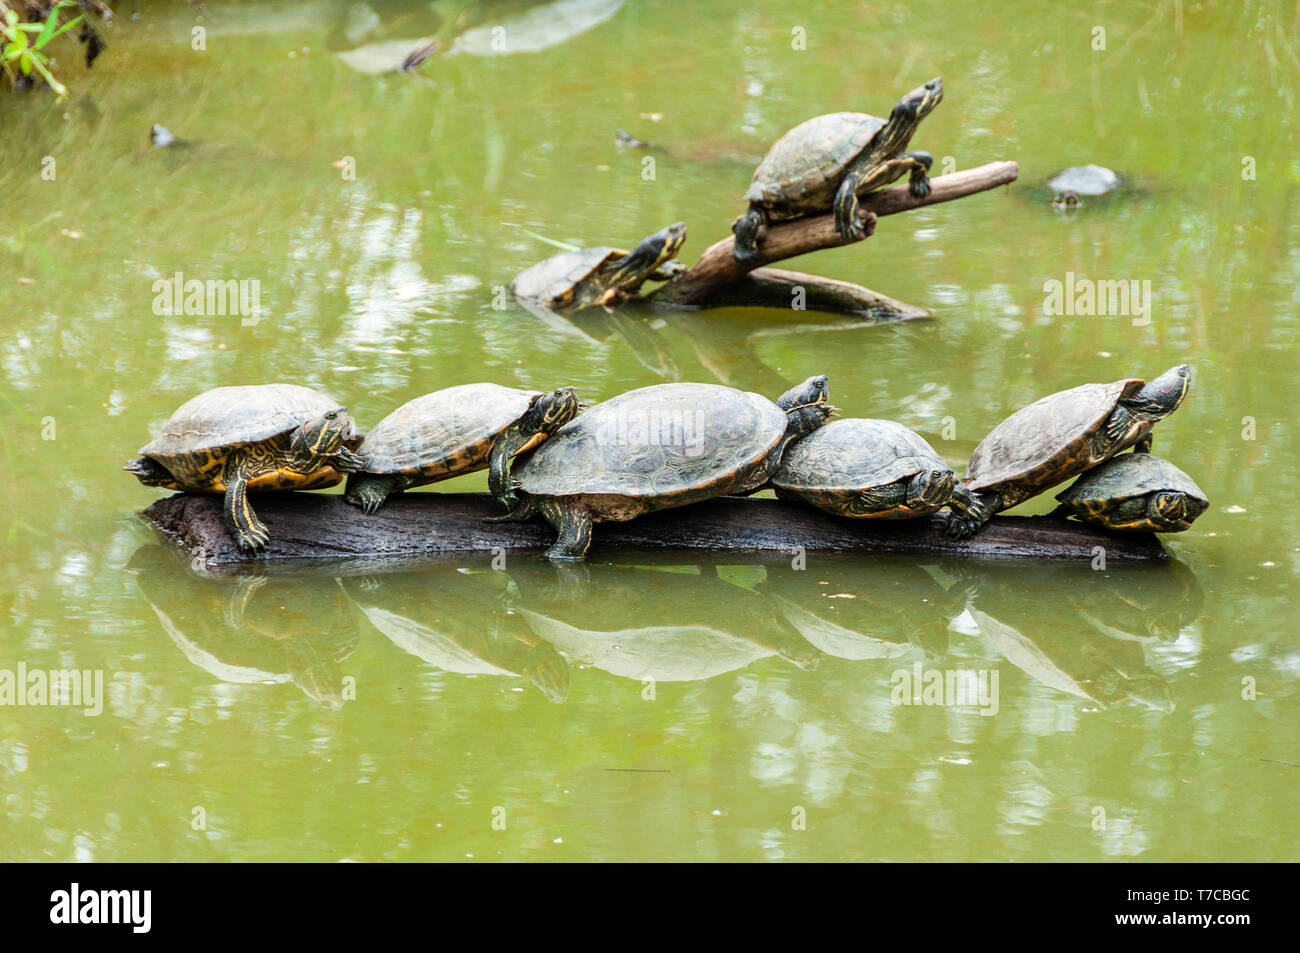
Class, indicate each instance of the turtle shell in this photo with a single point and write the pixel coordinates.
(660, 442)
(1128, 476)
(804, 168)
(1043, 443)
(855, 455)
(444, 433)
(198, 437)
(552, 277)
(1084, 180)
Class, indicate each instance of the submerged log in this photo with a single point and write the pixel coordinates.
(718, 268)
(418, 525)
(776, 288)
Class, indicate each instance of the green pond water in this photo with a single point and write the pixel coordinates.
(675, 706)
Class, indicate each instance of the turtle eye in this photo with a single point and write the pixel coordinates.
(331, 415)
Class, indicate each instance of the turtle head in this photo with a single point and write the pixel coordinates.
(1168, 508)
(931, 489)
(549, 412)
(1162, 396)
(811, 391)
(654, 251)
(805, 405)
(326, 435)
(909, 112)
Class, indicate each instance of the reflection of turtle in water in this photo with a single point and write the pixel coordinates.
(658, 447)
(1060, 436)
(573, 280)
(1070, 650)
(1137, 492)
(668, 623)
(867, 608)
(826, 162)
(455, 431)
(253, 630)
(235, 439)
(466, 629)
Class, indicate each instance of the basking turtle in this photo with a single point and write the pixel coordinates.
(828, 161)
(1138, 491)
(867, 469)
(573, 280)
(453, 431)
(1060, 436)
(658, 447)
(263, 437)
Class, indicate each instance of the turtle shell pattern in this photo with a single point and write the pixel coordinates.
(1049, 441)
(803, 170)
(444, 434)
(1129, 476)
(554, 276)
(200, 435)
(656, 447)
(844, 457)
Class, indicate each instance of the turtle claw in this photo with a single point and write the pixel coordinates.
(920, 188)
(254, 540)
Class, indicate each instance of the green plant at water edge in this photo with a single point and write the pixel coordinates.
(26, 55)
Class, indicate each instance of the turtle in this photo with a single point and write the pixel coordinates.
(1067, 201)
(1091, 180)
(826, 162)
(454, 431)
(1058, 437)
(1135, 492)
(573, 280)
(866, 469)
(658, 447)
(259, 437)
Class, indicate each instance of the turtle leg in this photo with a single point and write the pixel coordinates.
(573, 524)
(521, 513)
(919, 185)
(370, 490)
(149, 472)
(970, 511)
(878, 499)
(746, 230)
(1119, 422)
(846, 207)
(1143, 445)
(250, 532)
(345, 461)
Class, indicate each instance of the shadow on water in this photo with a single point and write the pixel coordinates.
(674, 621)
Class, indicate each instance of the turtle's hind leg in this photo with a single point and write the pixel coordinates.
(573, 524)
(250, 532)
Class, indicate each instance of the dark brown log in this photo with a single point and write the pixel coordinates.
(718, 267)
(418, 525)
(775, 288)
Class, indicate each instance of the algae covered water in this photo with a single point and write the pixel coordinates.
(667, 706)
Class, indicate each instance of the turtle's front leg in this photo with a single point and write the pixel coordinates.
(370, 490)
(345, 461)
(1144, 445)
(250, 532)
(921, 162)
(846, 208)
(970, 511)
(746, 229)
